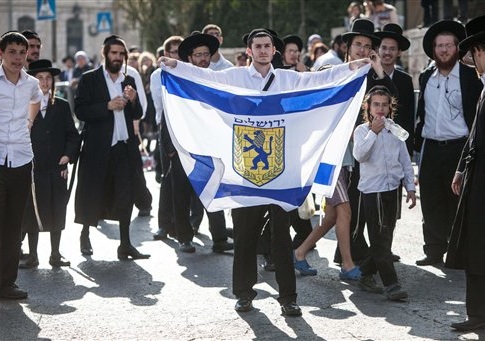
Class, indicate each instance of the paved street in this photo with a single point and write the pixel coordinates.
(178, 296)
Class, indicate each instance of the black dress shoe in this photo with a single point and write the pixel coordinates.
(470, 324)
(220, 247)
(12, 292)
(58, 261)
(243, 305)
(161, 234)
(290, 309)
(268, 264)
(427, 260)
(395, 258)
(30, 263)
(125, 252)
(187, 247)
(86, 248)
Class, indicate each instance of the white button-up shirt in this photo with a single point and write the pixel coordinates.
(14, 109)
(384, 161)
(221, 64)
(120, 131)
(444, 108)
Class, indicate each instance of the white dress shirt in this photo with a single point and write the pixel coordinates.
(444, 108)
(156, 90)
(384, 161)
(120, 131)
(14, 109)
(221, 64)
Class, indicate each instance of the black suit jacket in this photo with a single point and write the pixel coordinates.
(405, 115)
(91, 106)
(471, 88)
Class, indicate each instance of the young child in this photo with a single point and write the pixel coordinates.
(55, 142)
(384, 163)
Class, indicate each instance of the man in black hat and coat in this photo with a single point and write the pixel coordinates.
(446, 108)
(196, 49)
(106, 100)
(466, 249)
(362, 43)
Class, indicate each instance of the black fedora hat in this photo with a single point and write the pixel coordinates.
(278, 43)
(451, 26)
(394, 31)
(362, 27)
(196, 40)
(291, 38)
(475, 33)
(42, 65)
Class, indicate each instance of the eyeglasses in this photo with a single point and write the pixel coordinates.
(362, 47)
(447, 46)
(201, 54)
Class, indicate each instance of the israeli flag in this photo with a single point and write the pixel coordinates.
(242, 147)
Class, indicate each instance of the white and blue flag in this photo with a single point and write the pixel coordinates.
(242, 147)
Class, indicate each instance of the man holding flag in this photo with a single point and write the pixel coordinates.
(244, 149)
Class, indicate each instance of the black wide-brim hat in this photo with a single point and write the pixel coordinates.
(361, 27)
(451, 26)
(475, 33)
(278, 43)
(196, 40)
(394, 31)
(42, 65)
(291, 38)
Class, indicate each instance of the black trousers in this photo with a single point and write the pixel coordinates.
(438, 203)
(475, 296)
(181, 194)
(165, 200)
(302, 228)
(14, 189)
(248, 222)
(217, 220)
(381, 215)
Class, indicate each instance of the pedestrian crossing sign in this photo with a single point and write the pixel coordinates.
(46, 9)
(104, 22)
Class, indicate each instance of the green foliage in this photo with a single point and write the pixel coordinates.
(159, 19)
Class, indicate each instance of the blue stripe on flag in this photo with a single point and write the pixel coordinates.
(202, 172)
(325, 174)
(276, 104)
(292, 196)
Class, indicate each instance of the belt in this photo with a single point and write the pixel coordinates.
(446, 142)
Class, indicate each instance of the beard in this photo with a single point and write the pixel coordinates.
(448, 64)
(113, 67)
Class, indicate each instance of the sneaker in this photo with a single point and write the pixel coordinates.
(353, 274)
(395, 292)
(368, 283)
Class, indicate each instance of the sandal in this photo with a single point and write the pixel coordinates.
(304, 268)
(353, 274)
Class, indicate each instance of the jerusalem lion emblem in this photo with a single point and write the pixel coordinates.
(258, 153)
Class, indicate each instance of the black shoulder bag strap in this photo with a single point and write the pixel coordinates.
(268, 83)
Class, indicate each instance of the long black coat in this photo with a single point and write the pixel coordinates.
(466, 248)
(405, 115)
(91, 102)
(53, 136)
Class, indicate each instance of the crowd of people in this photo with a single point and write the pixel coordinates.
(38, 139)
